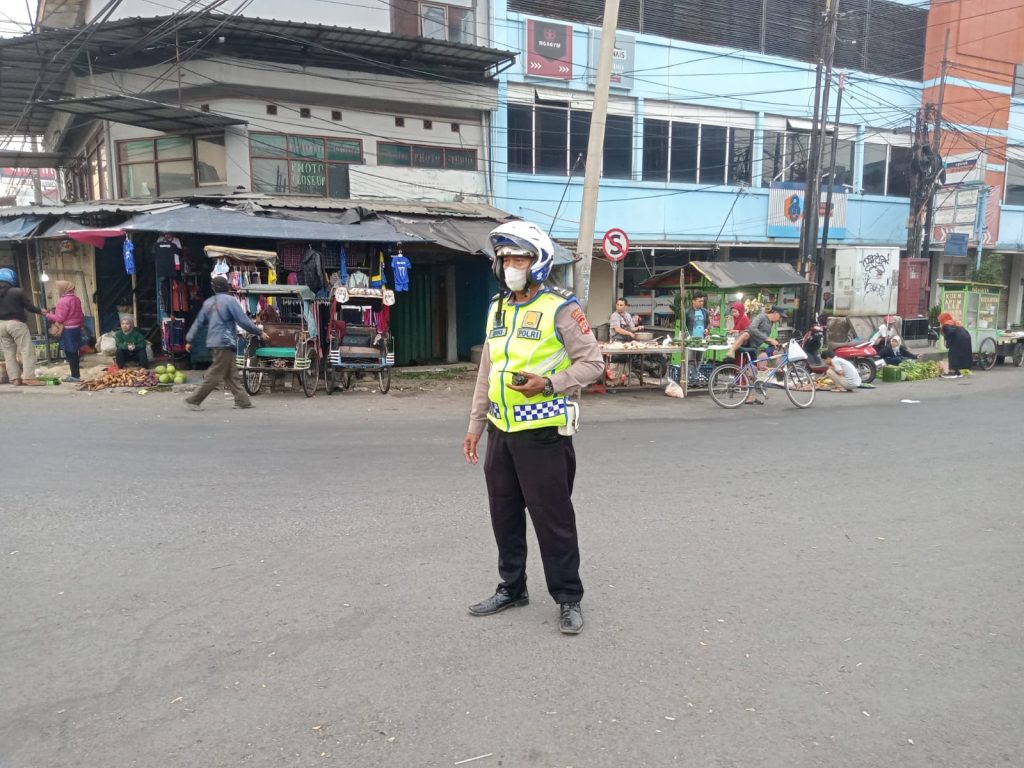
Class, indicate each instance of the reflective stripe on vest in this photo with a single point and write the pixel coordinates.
(526, 340)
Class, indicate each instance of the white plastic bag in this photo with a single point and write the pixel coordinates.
(107, 345)
(674, 390)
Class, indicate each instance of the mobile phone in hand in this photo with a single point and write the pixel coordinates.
(519, 379)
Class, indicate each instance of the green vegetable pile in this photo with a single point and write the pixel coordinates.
(918, 370)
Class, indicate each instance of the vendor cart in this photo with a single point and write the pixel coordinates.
(976, 305)
(288, 315)
(359, 337)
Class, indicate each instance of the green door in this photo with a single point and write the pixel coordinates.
(415, 317)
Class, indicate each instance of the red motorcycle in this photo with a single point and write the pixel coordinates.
(862, 354)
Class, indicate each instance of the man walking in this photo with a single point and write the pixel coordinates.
(221, 316)
(539, 348)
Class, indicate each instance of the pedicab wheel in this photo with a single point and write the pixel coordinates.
(311, 376)
(331, 382)
(729, 386)
(384, 379)
(866, 368)
(252, 381)
(1018, 354)
(987, 354)
(800, 386)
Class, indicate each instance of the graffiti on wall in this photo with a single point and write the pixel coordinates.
(874, 273)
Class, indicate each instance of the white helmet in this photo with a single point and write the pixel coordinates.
(528, 240)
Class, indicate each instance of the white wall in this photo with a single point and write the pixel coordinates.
(361, 14)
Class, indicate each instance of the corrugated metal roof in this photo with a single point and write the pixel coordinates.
(143, 113)
(399, 207)
(36, 66)
(732, 274)
(80, 209)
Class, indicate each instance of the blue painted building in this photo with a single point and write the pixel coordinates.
(706, 112)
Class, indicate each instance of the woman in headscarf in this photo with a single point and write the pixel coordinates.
(68, 313)
(740, 321)
(958, 343)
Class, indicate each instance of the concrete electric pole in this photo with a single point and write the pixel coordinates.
(595, 154)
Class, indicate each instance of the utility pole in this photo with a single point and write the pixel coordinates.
(916, 187)
(812, 186)
(936, 139)
(819, 262)
(37, 184)
(595, 153)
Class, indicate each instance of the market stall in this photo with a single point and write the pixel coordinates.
(756, 284)
(976, 306)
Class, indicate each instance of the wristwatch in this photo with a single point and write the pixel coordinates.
(549, 388)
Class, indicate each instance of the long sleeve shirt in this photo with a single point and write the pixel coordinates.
(135, 337)
(760, 329)
(14, 303)
(221, 316)
(586, 366)
(68, 312)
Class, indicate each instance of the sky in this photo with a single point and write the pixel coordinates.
(15, 17)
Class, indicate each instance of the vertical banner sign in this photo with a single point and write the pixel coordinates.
(548, 49)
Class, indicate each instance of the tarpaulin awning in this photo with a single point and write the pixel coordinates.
(143, 113)
(94, 237)
(731, 274)
(19, 228)
(247, 255)
(460, 234)
(232, 223)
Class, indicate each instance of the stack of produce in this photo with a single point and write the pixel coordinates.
(168, 374)
(126, 377)
(916, 370)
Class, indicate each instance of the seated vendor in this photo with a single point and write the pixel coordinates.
(621, 326)
(759, 331)
(894, 352)
(131, 344)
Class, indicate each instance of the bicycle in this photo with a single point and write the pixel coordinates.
(730, 386)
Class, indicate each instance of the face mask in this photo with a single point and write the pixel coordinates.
(515, 279)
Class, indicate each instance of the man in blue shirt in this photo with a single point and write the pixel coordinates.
(698, 319)
(221, 316)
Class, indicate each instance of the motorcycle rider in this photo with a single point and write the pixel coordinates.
(15, 336)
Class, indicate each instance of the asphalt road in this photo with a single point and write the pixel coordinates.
(287, 586)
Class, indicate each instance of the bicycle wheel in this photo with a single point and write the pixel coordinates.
(729, 386)
(800, 386)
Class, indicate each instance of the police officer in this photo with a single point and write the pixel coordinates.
(539, 349)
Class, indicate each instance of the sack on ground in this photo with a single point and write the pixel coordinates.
(108, 346)
(674, 390)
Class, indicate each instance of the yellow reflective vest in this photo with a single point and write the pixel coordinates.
(524, 339)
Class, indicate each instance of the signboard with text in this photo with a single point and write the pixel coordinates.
(548, 49)
(623, 60)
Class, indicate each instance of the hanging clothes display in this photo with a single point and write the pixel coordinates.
(377, 278)
(312, 270)
(400, 268)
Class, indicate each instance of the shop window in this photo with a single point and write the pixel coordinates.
(773, 158)
(741, 147)
(1018, 81)
(875, 158)
(425, 156)
(683, 152)
(170, 165)
(897, 183)
(844, 162)
(520, 139)
(446, 22)
(312, 165)
(549, 139)
(1015, 178)
(713, 145)
(655, 150)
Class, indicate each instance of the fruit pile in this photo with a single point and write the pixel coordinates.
(168, 374)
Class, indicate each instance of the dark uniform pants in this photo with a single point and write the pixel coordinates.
(534, 470)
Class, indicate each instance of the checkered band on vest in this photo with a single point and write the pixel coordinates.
(537, 411)
(495, 411)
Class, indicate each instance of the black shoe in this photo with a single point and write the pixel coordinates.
(570, 620)
(498, 602)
